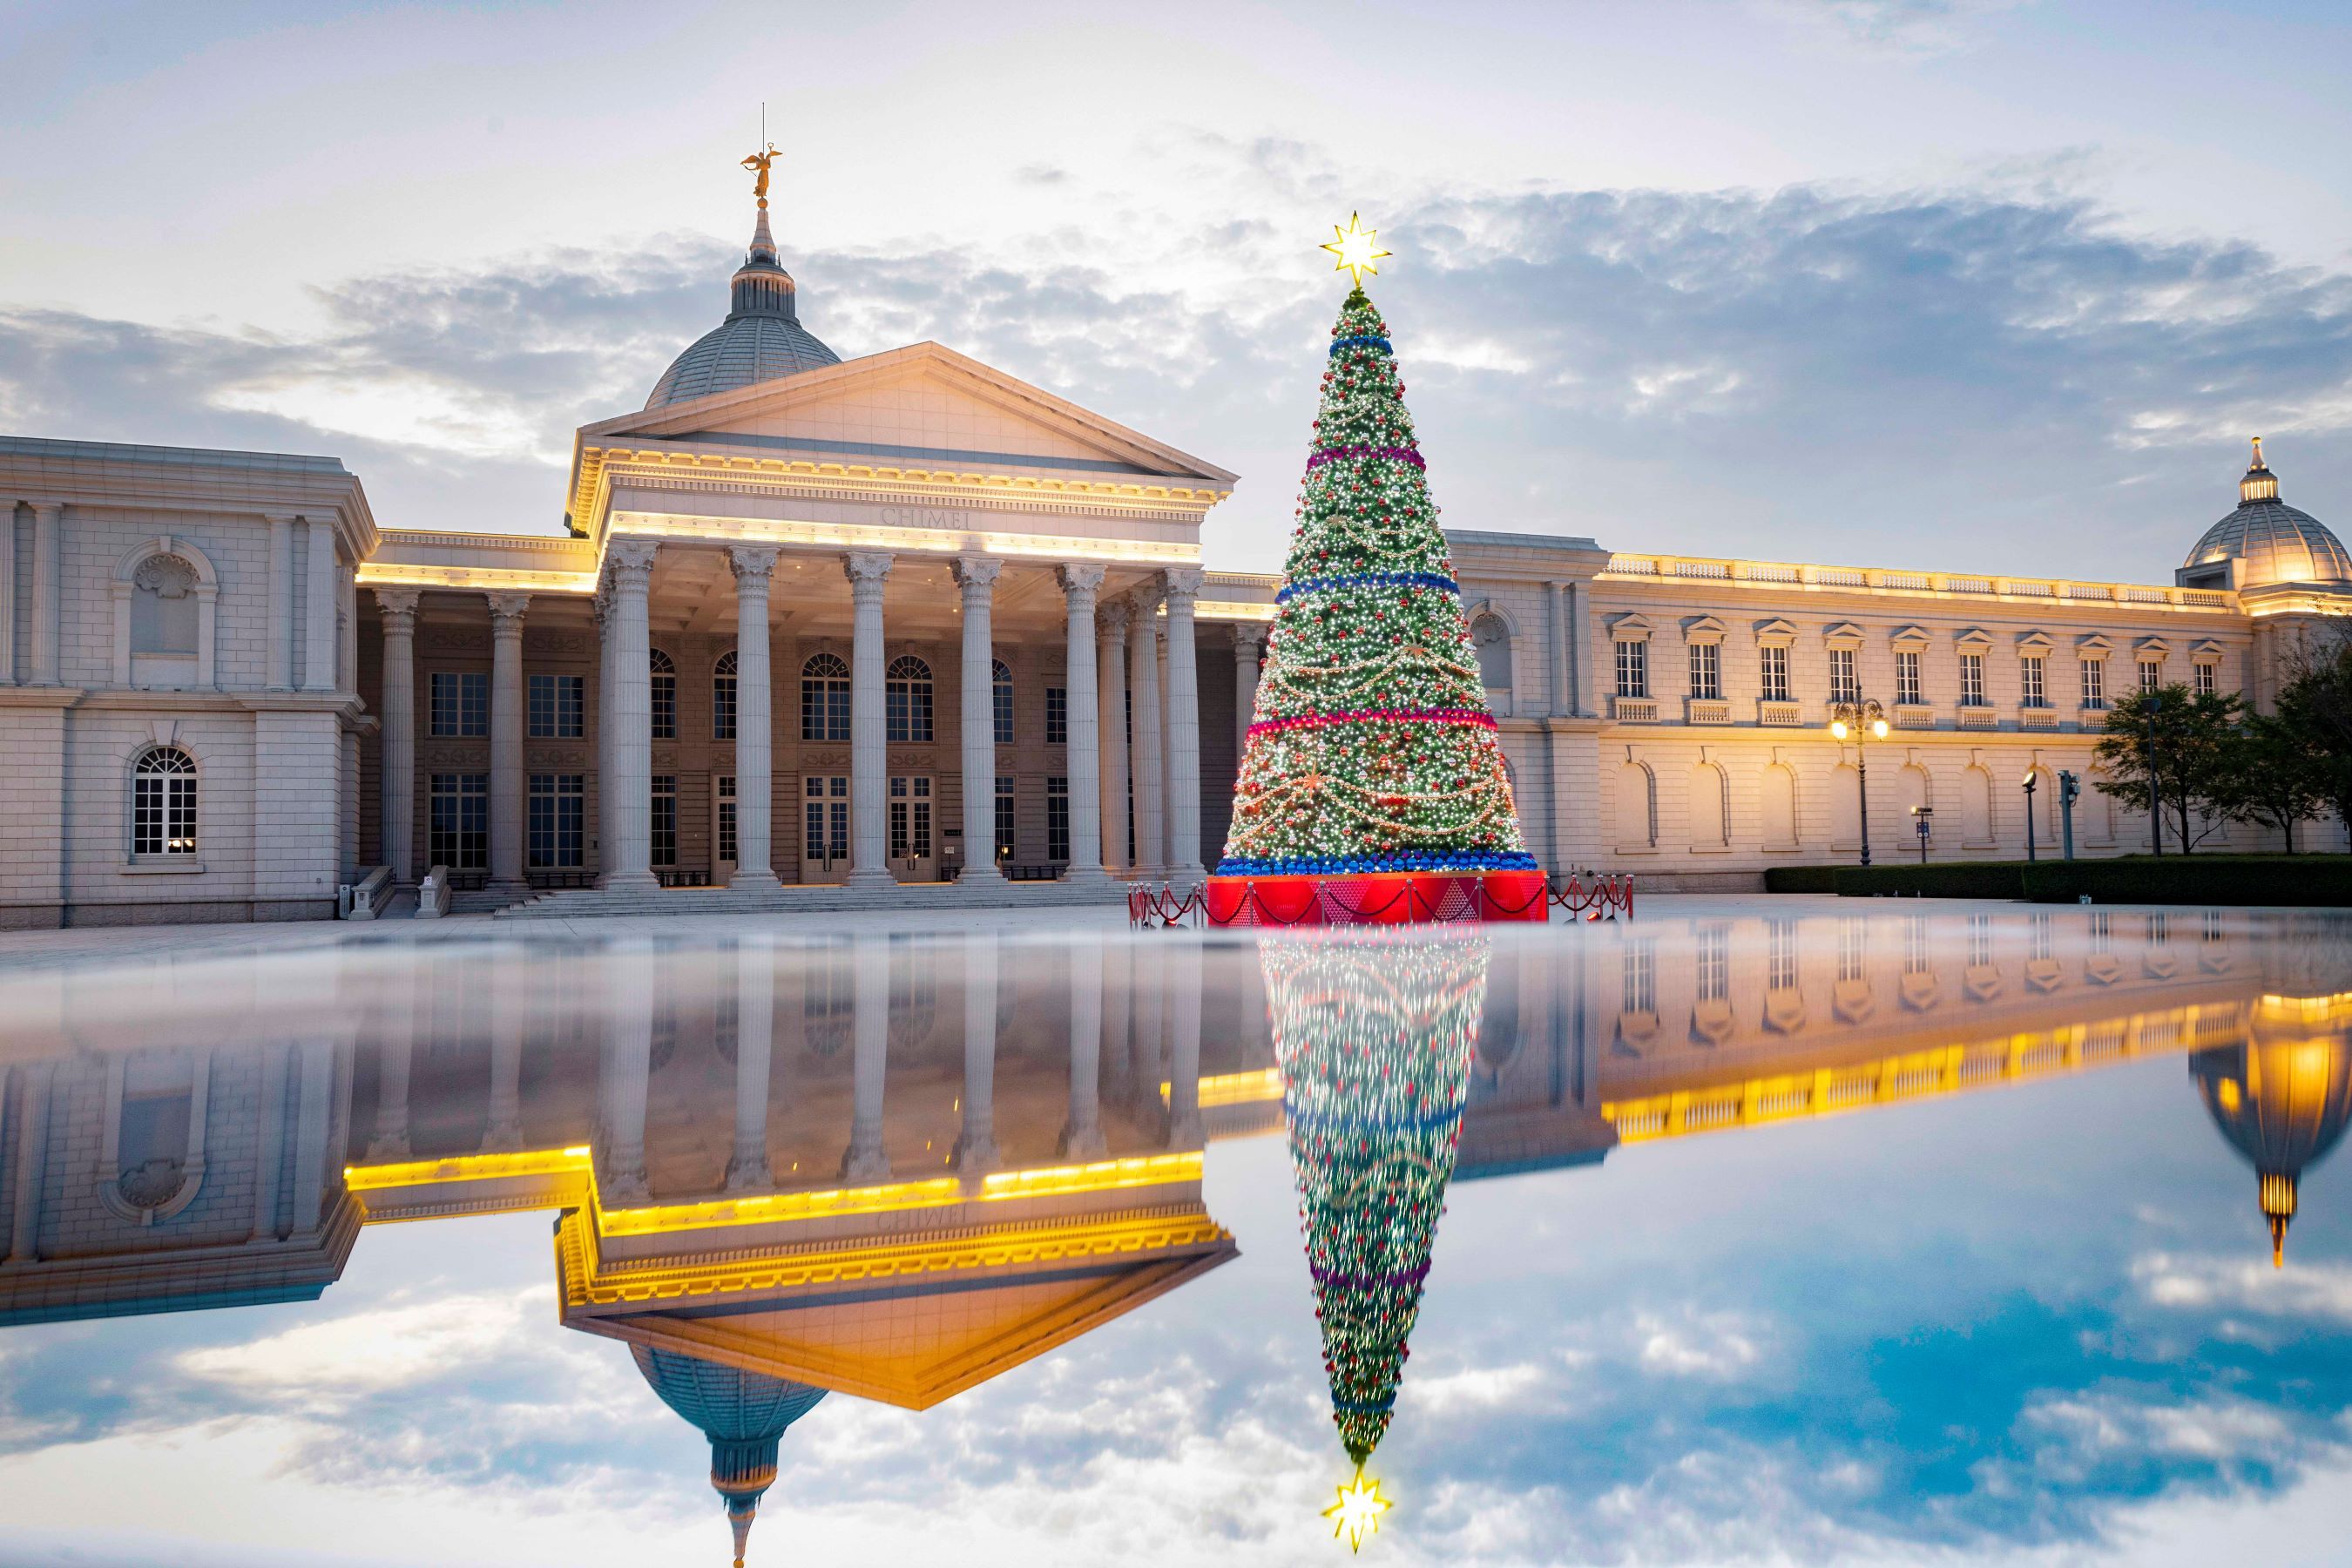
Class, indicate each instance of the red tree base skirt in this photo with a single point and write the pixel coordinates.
(1376, 898)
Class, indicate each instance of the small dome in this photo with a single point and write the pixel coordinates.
(2270, 540)
(742, 1412)
(761, 340)
(2282, 1098)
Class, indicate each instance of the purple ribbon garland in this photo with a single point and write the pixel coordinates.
(1323, 455)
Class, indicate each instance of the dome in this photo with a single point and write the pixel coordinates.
(2269, 540)
(742, 1412)
(761, 340)
(2283, 1097)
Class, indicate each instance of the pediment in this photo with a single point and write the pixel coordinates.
(1845, 634)
(1974, 639)
(1911, 638)
(923, 407)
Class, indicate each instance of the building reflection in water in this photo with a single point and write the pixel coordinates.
(894, 1167)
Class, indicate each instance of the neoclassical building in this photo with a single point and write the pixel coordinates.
(824, 633)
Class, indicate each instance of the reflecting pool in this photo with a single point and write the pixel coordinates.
(1745, 1232)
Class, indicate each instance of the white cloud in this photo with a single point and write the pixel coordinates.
(2314, 1292)
(1712, 1344)
(383, 1348)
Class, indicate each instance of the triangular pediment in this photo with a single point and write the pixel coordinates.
(921, 408)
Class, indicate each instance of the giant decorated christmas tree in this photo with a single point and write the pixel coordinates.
(1372, 786)
(1374, 1035)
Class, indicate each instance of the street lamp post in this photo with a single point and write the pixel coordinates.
(2028, 817)
(1863, 720)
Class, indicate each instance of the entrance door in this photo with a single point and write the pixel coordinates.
(913, 857)
(825, 827)
(722, 828)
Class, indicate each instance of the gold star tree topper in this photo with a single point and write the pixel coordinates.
(1354, 247)
(1358, 1512)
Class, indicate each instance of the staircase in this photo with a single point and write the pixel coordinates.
(595, 903)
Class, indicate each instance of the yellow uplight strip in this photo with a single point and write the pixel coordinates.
(937, 541)
(1235, 1089)
(469, 1168)
(395, 574)
(1102, 1175)
(776, 1208)
(1232, 610)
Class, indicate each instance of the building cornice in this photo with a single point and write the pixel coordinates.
(1782, 577)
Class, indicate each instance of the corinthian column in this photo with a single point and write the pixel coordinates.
(755, 1031)
(399, 741)
(977, 575)
(1110, 707)
(754, 707)
(866, 1160)
(1143, 681)
(1082, 756)
(630, 868)
(1082, 1136)
(869, 755)
(506, 738)
(976, 1152)
(1183, 729)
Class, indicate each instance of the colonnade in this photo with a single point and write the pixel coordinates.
(1132, 714)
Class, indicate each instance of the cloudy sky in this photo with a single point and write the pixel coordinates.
(1839, 279)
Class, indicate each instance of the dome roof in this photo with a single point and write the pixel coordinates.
(2282, 1098)
(2270, 540)
(742, 1412)
(761, 340)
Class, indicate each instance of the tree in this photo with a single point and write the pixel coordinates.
(2315, 705)
(1373, 748)
(2168, 751)
(2272, 776)
(1374, 1035)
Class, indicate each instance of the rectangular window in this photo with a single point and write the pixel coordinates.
(722, 700)
(665, 823)
(664, 695)
(1641, 976)
(727, 818)
(1972, 681)
(2095, 683)
(1845, 682)
(1707, 669)
(1000, 704)
(1914, 946)
(1776, 673)
(2030, 691)
(1057, 820)
(2208, 679)
(1853, 950)
(557, 705)
(1907, 677)
(461, 703)
(1004, 818)
(1980, 940)
(163, 812)
(460, 821)
(2151, 674)
(1714, 964)
(2101, 932)
(1633, 669)
(2041, 939)
(1780, 955)
(825, 815)
(1058, 715)
(558, 819)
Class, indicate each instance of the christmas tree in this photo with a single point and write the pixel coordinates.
(1374, 1037)
(1373, 748)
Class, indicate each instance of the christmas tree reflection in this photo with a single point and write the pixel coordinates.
(1374, 1034)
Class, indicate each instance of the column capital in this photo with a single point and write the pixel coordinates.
(1249, 642)
(866, 569)
(1110, 619)
(632, 557)
(1183, 586)
(977, 573)
(46, 507)
(505, 613)
(1080, 580)
(752, 563)
(1143, 602)
(399, 607)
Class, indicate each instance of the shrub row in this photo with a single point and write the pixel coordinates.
(2301, 881)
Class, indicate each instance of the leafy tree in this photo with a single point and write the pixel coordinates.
(2168, 753)
(2272, 776)
(2315, 706)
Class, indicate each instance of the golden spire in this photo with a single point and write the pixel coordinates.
(758, 162)
(2277, 1192)
(2260, 483)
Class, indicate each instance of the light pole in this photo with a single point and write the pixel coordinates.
(2069, 786)
(2029, 816)
(1865, 720)
(1921, 816)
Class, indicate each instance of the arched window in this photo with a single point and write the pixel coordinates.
(163, 607)
(1492, 638)
(824, 698)
(999, 677)
(665, 690)
(722, 697)
(906, 700)
(164, 802)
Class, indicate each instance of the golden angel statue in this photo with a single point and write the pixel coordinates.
(758, 162)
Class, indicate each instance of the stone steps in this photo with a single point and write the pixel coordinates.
(595, 903)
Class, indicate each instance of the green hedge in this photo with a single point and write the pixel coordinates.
(2300, 880)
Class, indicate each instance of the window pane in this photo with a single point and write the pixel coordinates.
(1057, 716)
(665, 819)
(459, 821)
(1000, 698)
(1057, 819)
(1004, 818)
(558, 837)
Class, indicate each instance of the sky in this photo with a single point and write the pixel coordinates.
(1973, 284)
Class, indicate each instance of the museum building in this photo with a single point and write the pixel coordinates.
(827, 633)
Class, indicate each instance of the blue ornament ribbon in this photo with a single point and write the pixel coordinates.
(1361, 343)
(1437, 580)
(1361, 865)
